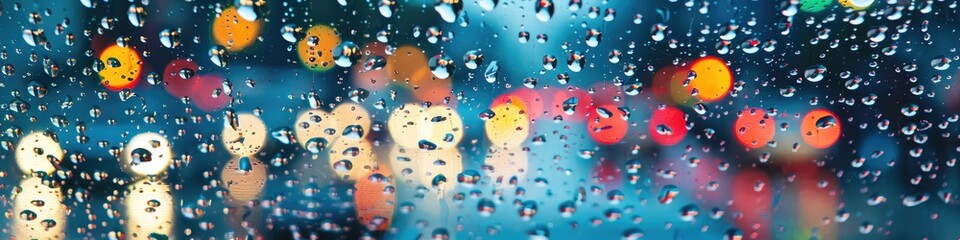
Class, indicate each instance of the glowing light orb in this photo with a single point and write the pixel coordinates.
(375, 200)
(404, 125)
(31, 220)
(234, 32)
(441, 126)
(179, 77)
(667, 126)
(149, 209)
(439, 169)
(713, 79)
(529, 98)
(313, 125)
(147, 154)
(206, 95)
(373, 79)
(438, 91)
(244, 178)
(820, 128)
(607, 124)
(509, 126)
(121, 68)
(754, 128)
(316, 48)
(405, 163)
(350, 158)
(405, 63)
(37, 152)
(245, 136)
(350, 116)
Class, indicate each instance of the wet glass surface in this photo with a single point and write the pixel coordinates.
(479, 119)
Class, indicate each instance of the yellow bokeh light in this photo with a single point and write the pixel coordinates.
(35, 152)
(244, 186)
(441, 125)
(713, 79)
(314, 123)
(404, 125)
(351, 114)
(121, 68)
(43, 221)
(350, 158)
(149, 209)
(248, 136)
(509, 127)
(147, 154)
(437, 164)
(403, 162)
(234, 32)
(422, 167)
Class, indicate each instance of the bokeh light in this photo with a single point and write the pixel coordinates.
(147, 154)
(668, 126)
(122, 67)
(38, 152)
(234, 32)
(486, 119)
(607, 124)
(820, 128)
(316, 47)
(712, 81)
(509, 126)
(754, 128)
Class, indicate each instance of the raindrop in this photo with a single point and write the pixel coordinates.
(218, 55)
(442, 66)
(346, 54)
(137, 15)
(544, 10)
(170, 38)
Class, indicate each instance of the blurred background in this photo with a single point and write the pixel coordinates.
(480, 119)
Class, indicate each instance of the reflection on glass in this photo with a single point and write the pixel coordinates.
(149, 210)
(39, 213)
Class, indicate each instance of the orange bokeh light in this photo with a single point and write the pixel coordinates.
(234, 32)
(316, 48)
(405, 64)
(754, 128)
(713, 80)
(820, 136)
(373, 201)
(433, 90)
